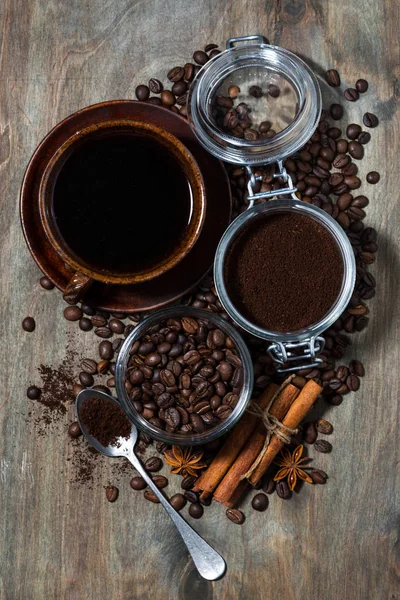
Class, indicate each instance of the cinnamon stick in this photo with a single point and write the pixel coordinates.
(226, 492)
(239, 435)
(295, 415)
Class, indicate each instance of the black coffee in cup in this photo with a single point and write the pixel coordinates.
(121, 201)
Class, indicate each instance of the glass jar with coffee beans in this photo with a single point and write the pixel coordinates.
(184, 376)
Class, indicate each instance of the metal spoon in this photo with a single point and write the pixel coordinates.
(209, 563)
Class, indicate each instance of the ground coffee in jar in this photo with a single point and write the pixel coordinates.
(284, 272)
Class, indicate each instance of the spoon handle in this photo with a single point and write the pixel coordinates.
(209, 563)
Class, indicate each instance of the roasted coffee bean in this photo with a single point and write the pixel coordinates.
(310, 432)
(225, 102)
(150, 496)
(116, 326)
(209, 47)
(102, 367)
(89, 366)
(335, 400)
(260, 502)
(373, 177)
(99, 320)
(351, 94)
(235, 515)
(255, 91)
(361, 86)
(196, 510)
(88, 310)
(353, 383)
(33, 392)
(112, 493)
(179, 88)
(197, 423)
(340, 161)
(318, 476)
(153, 464)
(191, 496)
(370, 120)
(223, 412)
(167, 98)
(353, 130)
(73, 313)
(77, 388)
(74, 430)
(153, 359)
(172, 417)
(200, 57)
(160, 481)
(356, 150)
(233, 91)
(178, 501)
(176, 74)
(138, 483)
(103, 332)
(357, 368)
(364, 138)
(273, 90)
(86, 379)
(205, 500)
(269, 485)
(360, 202)
(155, 86)
(142, 92)
(282, 489)
(188, 482)
(332, 78)
(46, 283)
(28, 324)
(251, 135)
(336, 111)
(85, 324)
(323, 426)
(323, 446)
(344, 201)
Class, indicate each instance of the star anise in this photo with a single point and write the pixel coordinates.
(291, 469)
(185, 462)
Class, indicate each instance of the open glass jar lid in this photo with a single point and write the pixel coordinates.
(254, 105)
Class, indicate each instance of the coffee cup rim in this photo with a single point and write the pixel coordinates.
(181, 154)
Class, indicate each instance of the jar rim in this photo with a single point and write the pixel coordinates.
(180, 439)
(338, 235)
(236, 150)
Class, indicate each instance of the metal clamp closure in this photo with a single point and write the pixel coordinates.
(303, 354)
(247, 38)
(290, 190)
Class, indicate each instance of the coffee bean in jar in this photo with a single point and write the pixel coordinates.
(184, 375)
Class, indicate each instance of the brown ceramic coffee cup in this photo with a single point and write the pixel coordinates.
(85, 274)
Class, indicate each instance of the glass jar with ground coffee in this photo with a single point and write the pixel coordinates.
(285, 272)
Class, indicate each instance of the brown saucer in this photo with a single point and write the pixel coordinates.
(167, 287)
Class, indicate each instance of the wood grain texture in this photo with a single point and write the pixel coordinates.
(334, 542)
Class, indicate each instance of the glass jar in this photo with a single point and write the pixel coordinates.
(302, 346)
(192, 439)
(295, 104)
(256, 62)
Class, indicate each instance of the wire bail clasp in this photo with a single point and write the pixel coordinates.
(290, 190)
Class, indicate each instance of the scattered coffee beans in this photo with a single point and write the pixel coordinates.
(370, 120)
(46, 283)
(332, 78)
(153, 464)
(150, 495)
(260, 502)
(373, 177)
(318, 476)
(111, 493)
(28, 324)
(73, 313)
(323, 446)
(196, 510)
(235, 515)
(33, 392)
(351, 94)
(74, 430)
(323, 426)
(138, 483)
(178, 501)
(361, 86)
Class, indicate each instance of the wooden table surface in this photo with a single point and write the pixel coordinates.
(59, 540)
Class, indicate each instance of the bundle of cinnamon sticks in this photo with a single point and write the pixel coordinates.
(245, 457)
